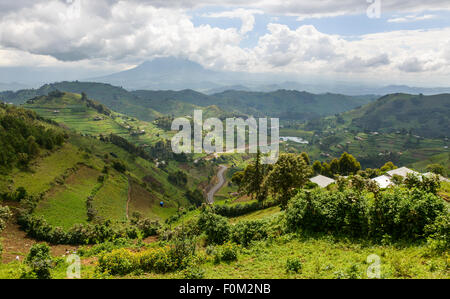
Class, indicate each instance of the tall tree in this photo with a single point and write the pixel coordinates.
(317, 167)
(253, 179)
(289, 173)
(348, 164)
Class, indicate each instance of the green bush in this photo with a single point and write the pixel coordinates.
(293, 265)
(82, 234)
(247, 231)
(216, 228)
(117, 262)
(156, 260)
(403, 213)
(40, 261)
(227, 252)
(399, 213)
(322, 211)
(439, 233)
(193, 272)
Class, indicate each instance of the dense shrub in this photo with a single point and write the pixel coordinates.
(403, 213)
(117, 262)
(323, 211)
(439, 233)
(195, 197)
(178, 178)
(247, 231)
(40, 261)
(156, 260)
(293, 265)
(21, 137)
(193, 272)
(119, 166)
(399, 213)
(147, 227)
(227, 252)
(216, 228)
(242, 209)
(106, 247)
(81, 234)
(430, 184)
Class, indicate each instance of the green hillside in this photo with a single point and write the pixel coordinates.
(89, 117)
(288, 104)
(148, 105)
(101, 182)
(76, 167)
(115, 98)
(425, 116)
(378, 132)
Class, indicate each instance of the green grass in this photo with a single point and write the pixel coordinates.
(323, 258)
(266, 213)
(111, 200)
(73, 113)
(45, 170)
(443, 159)
(65, 205)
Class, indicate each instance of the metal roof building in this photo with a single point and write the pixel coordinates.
(322, 181)
(383, 181)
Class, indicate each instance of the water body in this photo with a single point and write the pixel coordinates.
(294, 139)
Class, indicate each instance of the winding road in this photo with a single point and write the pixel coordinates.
(220, 183)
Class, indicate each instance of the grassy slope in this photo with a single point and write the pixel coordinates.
(322, 257)
(424, 115)
(76, 115)
(114, 97)
(110, 201)
(391, 144)
(287, 104)
(443, 159)
(65, 205)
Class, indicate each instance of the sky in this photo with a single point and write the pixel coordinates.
(376, 41)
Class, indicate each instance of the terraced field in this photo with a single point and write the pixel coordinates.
(65, 205)
(111, 200)
(45, 170)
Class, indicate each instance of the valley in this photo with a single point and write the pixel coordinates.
(115, 174)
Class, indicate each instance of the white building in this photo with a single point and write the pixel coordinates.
(403, 172)
(322, 181)
(383, 181)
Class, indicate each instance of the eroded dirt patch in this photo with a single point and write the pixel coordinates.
(17, 244)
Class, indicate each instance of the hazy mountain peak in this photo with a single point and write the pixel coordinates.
(165, 64)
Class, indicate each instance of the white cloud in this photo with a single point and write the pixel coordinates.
(246, 16)
(111, 33)
(128, 32)
(308, 8)
(411, 18)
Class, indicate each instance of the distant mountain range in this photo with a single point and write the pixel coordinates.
(150, 104)
(422, 115)
(178, 74)
(172, 73)
(12, 86)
